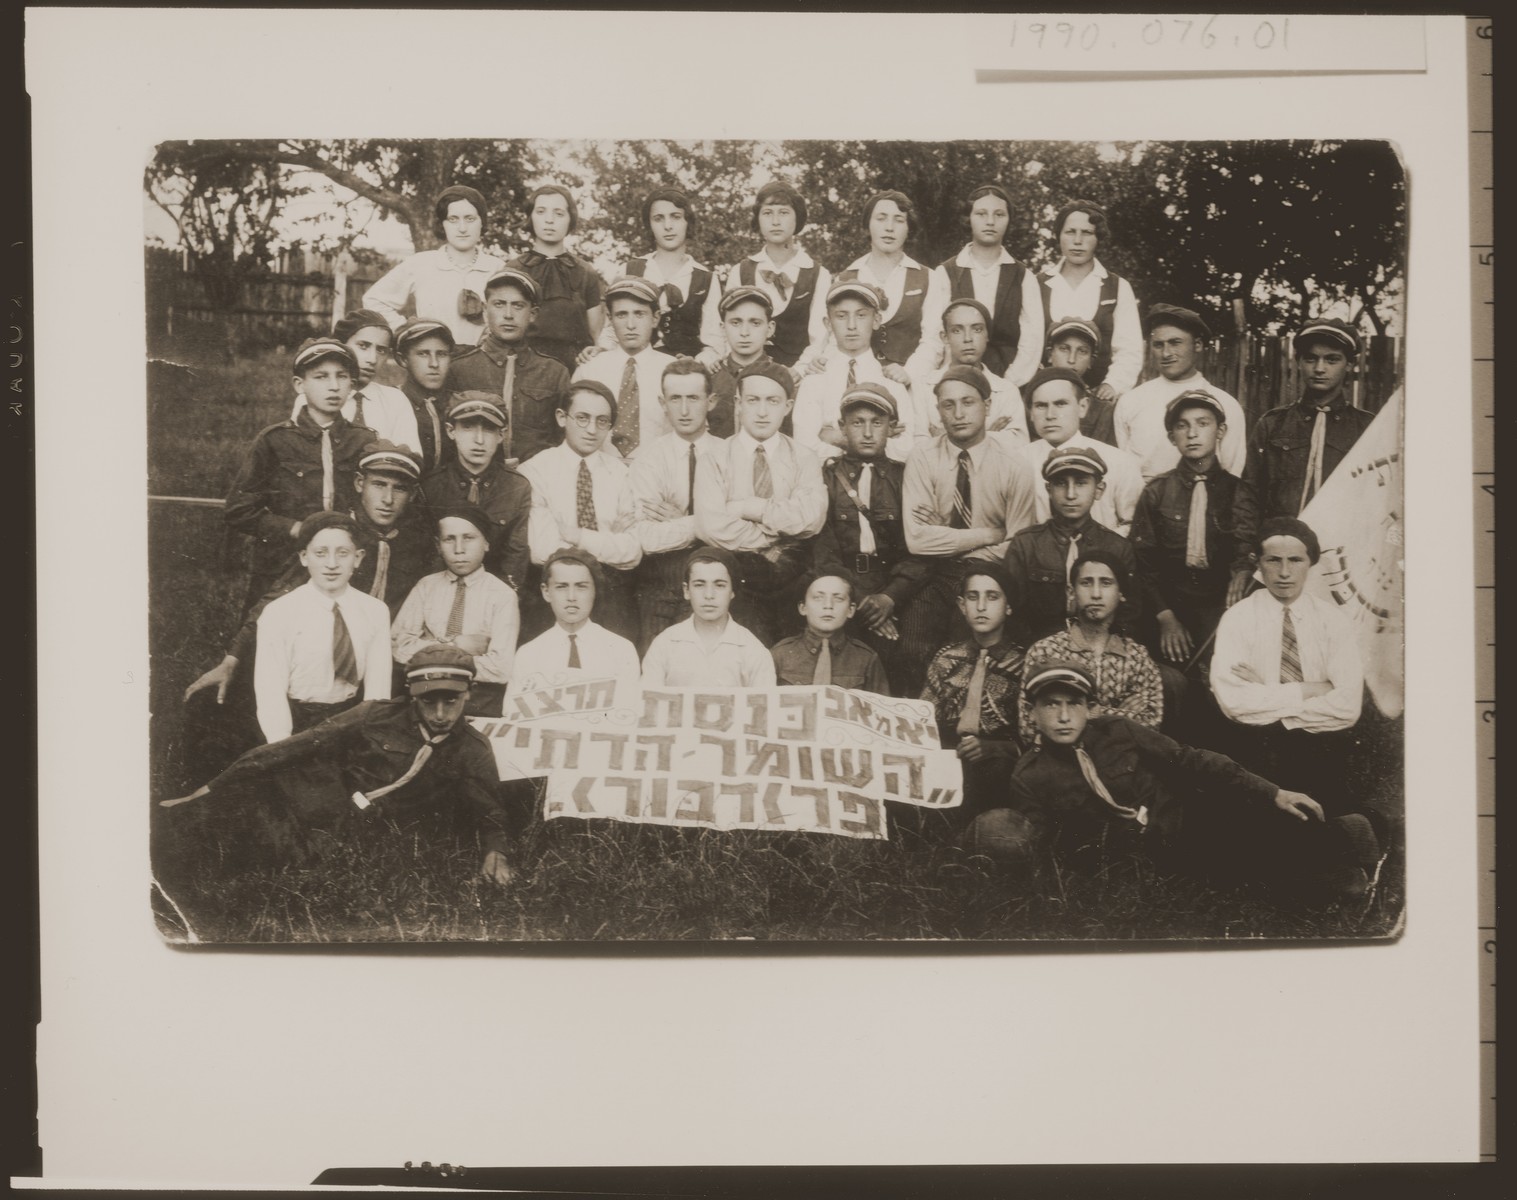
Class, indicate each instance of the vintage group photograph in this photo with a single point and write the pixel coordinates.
(652, 540)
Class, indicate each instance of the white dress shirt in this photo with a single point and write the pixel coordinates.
(385, 410)
(1139, 423)
(680, 278)
(490, 608)
(816, 324)
(1124, 481)
(431, 281)
(986, 281)
(679, 657)
(820, 397)
(648, 364)
(724, 492)
(1250, 632)
(554, 476)
(1005, 402)
(662, 473)
(294, 658)
(544, 661)
(1083, 300)
(1000, 496)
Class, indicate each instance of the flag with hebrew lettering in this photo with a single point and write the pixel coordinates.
(820, 758)
(1358, 519)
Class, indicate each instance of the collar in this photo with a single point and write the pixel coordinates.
(415, 393)
(965, 259)
(1116, 644)
(743, 438)
(800, 262)
(730, 635)
(366, 526)
(1063, 537)
(1188, 475)
(837, 639)
(861, 264)
(837, 364)
(977, 452)
(1306, 409)
(498, 351)
(565, 256)
(732, 368)
(1003, 650)
(1097, 270)
(483, 261)
(306, 423)
(686, 263)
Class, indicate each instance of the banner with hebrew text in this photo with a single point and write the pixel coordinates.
(819, 758)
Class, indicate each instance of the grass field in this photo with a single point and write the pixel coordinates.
(593, 880)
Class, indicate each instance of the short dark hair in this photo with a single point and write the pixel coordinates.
(459, 192)
(675, 197)
(712, 554)
(1091, 209)
(1289, 527)
(574, 557)
(1107, 559)
(818, 573)
(901, 200)
(594, 388)
(991, 570)
(555, 189)
(685, 365)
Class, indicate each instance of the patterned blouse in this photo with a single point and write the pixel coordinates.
(947, 686)
(1127, 681)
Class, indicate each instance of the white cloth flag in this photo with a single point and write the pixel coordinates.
(1358, 518)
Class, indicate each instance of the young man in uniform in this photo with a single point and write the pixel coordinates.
(760, 496)
(747, 323)
(964, 494)
(424, 347)
(383, 409)
(822, 652)
(864, 537)
(1175, 336)
(407, 761)
(708, 648)
(1057, 403)
(526, 385)
(478, 476)
(663, 488)
(1039, 558)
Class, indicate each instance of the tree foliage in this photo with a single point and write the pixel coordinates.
(1289, 227)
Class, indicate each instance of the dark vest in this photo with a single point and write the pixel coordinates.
(1005, 314)
(679, 329)
(900, 333)
(1105, 318)
(792, 328)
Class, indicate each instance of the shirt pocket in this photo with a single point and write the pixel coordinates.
(1290, 445)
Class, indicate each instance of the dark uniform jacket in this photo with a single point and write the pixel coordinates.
(854, 665)
(1278, 449)
(433, 451)
(891, 569)
(1036, 559)
(369, 747)
(538, 388)
(1160, 527)
(506, 497)
(280, 484)
(1140, 767)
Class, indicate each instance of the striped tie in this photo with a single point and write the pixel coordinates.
(853, 371)
(1290, 652)
(584, 497)
(344, 661)
(628, 411)
(456, 613)
(963, 510)
(763, 482)
(358, 399)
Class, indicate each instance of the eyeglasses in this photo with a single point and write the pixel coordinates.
(583, 421)
(770, 401)
(457, 220)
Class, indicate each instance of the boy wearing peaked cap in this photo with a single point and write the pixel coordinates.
(853, 316)
(413, 762)
(1175, 339)
(795, 284)
(296, 468)
(424, 347)
(746, 317)
(634, 370)
(1039, 558)
(382, 408)
(1294, 448)
(479, 476)
(526, 385)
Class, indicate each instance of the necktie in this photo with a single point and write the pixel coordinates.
(866, 530)
(1069, 565)
(473, 489)
(1195, 532)
(763, 482)
(327, 468)
(823, 672)
(1290, 652)
(363, 800)
(1311, 483)
(584, 498)
(779, 281)
(690, 503)
(627, 401)
(969, 718)
(574, 650)
(344, 662)
(963, 509)
(1088, 769)
(436, 452)
(456, 613)
(358, 399)
(382, 566)
(853, 371)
